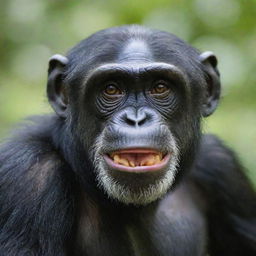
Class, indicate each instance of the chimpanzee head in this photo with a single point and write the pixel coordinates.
(133, 98)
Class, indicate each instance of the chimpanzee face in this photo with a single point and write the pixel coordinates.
(138, 113)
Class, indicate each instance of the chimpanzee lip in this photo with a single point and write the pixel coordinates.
(141, 153)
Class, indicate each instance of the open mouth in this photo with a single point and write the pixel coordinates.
(137, 160)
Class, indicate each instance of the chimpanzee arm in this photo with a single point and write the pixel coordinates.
(35, 201)
(232, 200)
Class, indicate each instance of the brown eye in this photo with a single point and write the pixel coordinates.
(112, 90)
(160, 88)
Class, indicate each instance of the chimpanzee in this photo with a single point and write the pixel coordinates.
(122, 168)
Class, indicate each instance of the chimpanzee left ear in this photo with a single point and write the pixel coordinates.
(56, 90)
(212, 94)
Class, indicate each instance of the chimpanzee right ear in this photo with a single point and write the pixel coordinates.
(56, 90)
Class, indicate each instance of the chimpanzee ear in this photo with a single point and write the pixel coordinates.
(56, 90)
(212, 94)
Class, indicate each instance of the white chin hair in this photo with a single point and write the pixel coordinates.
(125, 195)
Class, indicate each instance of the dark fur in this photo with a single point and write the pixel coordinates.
(50, 205)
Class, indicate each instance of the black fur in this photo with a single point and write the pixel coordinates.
(231, 198)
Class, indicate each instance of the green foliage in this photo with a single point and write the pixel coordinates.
(33, 30)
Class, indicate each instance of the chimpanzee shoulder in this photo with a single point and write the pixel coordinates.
(230, 198)
(35, 192)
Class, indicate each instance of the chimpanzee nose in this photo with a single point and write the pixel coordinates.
(134, 117)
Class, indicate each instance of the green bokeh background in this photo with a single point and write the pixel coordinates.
(33, 30)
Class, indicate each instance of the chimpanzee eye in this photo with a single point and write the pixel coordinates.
(160, 88)
(112, 90)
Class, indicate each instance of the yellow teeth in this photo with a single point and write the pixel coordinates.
(147, 160)
(122, 161)
(151, 160)
(132, 164)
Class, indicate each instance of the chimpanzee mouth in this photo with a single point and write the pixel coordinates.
(137, 160)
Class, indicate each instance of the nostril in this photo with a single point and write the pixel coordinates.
(138, 120)
(130, 121)
(142, 120)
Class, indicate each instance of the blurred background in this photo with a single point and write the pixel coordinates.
(33, 30)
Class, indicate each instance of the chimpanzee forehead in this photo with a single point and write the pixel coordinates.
(142, 50)
(129, 45)
(135, 50)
